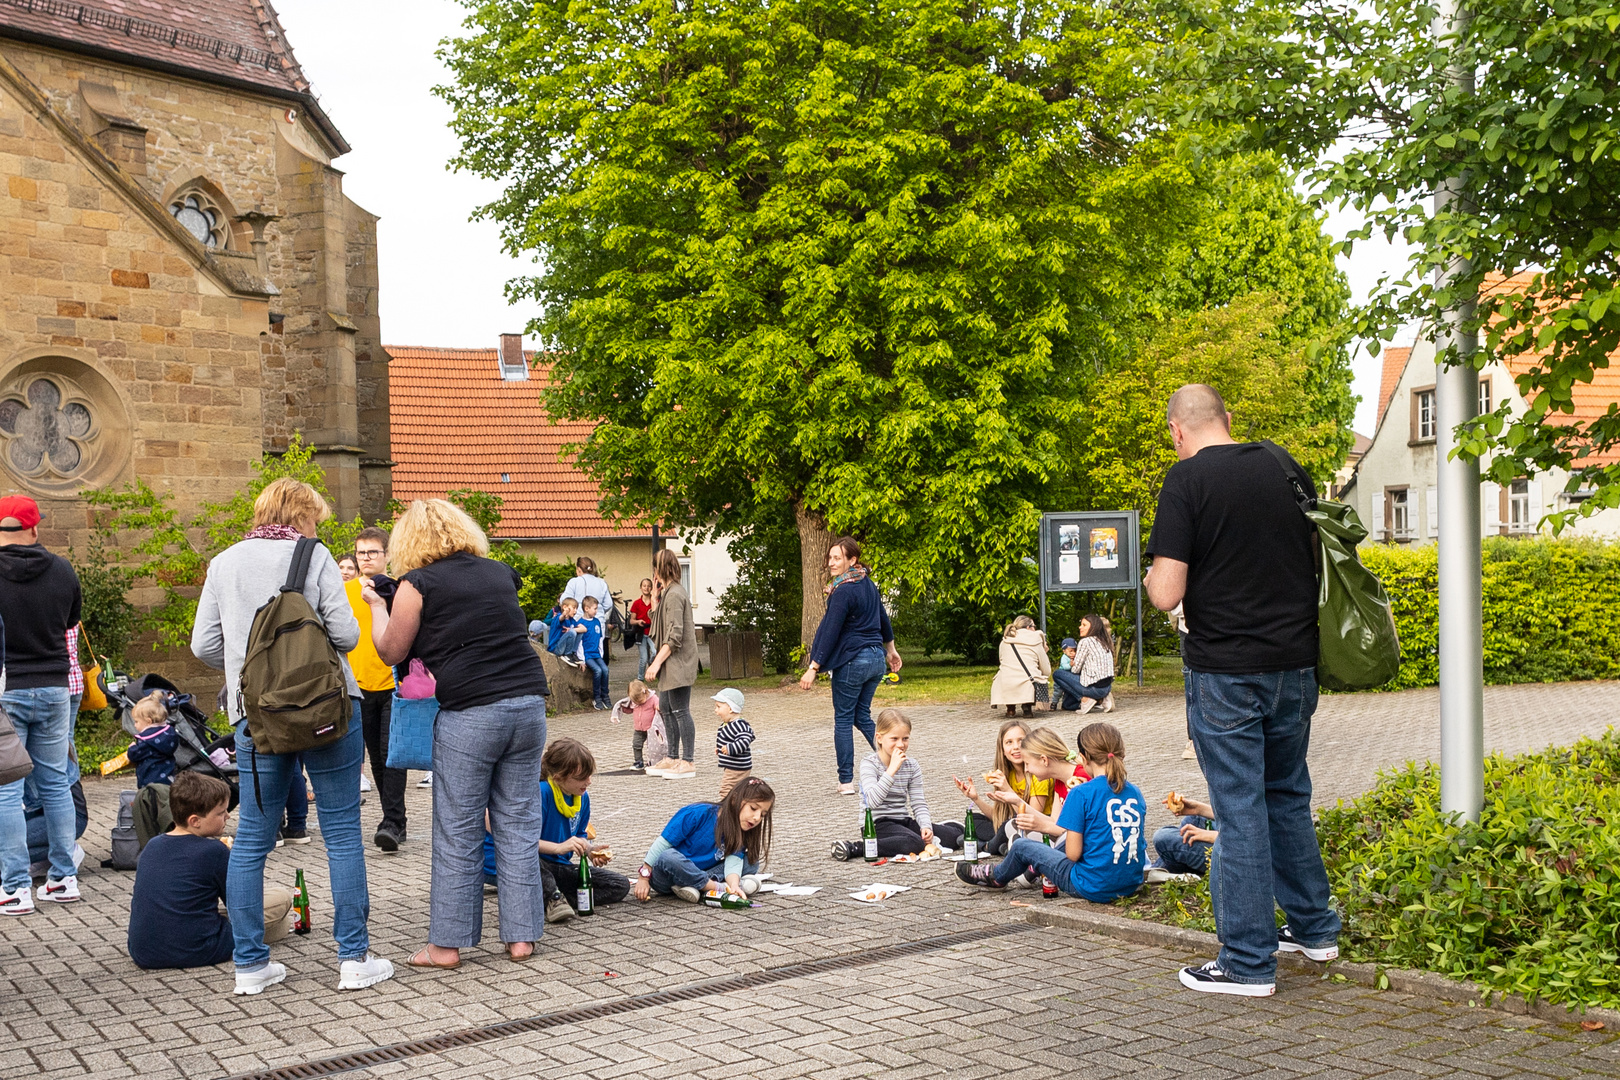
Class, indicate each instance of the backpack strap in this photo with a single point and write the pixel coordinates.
(1306, 501)
(298, 569)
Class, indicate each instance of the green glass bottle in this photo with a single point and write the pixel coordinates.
(300, 904)
(970, 840)
(727, 901)
(869, 836)
(585, 897)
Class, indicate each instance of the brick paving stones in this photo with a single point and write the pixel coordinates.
(1027, 1004)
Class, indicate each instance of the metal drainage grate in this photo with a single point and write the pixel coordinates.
(438, 1044)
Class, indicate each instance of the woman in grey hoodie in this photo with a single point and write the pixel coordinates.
(242, 579)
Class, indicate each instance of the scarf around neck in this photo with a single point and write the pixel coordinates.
(565, 808)
(274, 532)
(857, 572)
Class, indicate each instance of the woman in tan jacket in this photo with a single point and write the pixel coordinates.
(675, 666)
(1023, 663)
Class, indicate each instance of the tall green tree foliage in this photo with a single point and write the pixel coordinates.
(853, 259)
(1363, 96)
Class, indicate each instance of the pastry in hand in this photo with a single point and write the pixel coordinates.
(1175, 803)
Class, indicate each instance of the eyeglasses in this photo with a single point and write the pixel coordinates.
(373, 552)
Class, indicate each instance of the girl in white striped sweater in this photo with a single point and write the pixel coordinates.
(891, 786)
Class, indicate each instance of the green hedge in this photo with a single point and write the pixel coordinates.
(1551, 609)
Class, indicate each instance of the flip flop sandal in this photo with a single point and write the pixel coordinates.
(426, 961)
(525, 958)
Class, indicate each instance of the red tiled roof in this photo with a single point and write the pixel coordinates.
(1394, 367)
(232, 41)
(455, 423)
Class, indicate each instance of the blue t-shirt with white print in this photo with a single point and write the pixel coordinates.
(1113, 847)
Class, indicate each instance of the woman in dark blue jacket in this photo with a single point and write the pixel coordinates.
(854, 642)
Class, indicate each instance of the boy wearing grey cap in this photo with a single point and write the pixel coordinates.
(733, 743)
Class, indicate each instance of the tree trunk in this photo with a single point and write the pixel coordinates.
(814, 543)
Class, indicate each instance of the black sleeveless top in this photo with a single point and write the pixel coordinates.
(473, 637)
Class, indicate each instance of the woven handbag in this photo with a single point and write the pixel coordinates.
(410, 733)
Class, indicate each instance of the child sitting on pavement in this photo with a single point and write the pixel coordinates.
(710, 848)
(892, 788)
(733, 743)
(1184, 848)
(174, 916)
(642, 706)
(152, 752)
(590, 651)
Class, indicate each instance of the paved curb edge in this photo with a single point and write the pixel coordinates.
(1078, 915)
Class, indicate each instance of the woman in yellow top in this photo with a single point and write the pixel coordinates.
(1008, 774)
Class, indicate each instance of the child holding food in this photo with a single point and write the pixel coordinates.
(1184, 848)
(1006, 783)
(892, 788)
(710, 848)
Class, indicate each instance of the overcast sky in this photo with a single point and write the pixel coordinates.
(372, 61)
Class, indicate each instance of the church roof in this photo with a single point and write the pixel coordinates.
(455, 422)
(238, 43)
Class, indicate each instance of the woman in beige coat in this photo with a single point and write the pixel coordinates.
(1023, 663)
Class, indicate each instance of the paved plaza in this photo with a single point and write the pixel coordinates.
(939, 980)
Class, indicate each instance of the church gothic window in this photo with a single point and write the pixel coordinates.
(47, 428)
(201, 217)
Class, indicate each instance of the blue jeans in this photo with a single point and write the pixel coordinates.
(44, 722)
(644, 655)
(297, 796)
(1251, 733)
(598, 668)
(1073, 689)
(852, 688)
(1048, 860)
(1178, 856)
(487, 758)
(673, 869)
(334, 770)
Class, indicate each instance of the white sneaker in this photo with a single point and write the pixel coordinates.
(426, 781)
(365, 782)
(359, 974)
(78, 856)
(749, 884)
(650, 771)
(20, 902)
(687, 893)
(254, 982)
(1155, 875)
(63, 891)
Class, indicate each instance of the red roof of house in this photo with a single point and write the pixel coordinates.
(1394, 364)
(455, 423)
(233, 41)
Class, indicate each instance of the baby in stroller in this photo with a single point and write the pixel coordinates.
(169, 727)
(152, 752)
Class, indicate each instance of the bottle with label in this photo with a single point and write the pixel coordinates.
(1049, 887)
(300, 904)
(727, 900)
(970, 841)
(585, 897)
(869, 836)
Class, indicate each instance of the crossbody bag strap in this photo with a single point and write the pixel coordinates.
(1020, 658)
(1304, 499)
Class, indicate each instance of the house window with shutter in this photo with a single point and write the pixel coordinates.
(1485, 404)
(1397, 514)
(1431, 511)
(1423, 424)
(1520, 515)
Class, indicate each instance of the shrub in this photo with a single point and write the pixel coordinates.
(1548, 610)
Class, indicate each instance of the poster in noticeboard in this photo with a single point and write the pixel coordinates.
(1104, 548)
(1087, 550)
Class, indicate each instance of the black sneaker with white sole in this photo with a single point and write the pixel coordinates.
(845, 850)
(1210, 979)
(1286, 942)
(978, 874)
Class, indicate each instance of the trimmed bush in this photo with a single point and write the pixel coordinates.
(1550, 612)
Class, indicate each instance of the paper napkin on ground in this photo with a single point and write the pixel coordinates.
(876, 894)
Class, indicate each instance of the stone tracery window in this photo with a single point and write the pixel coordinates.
(202, 217)
(47, 428)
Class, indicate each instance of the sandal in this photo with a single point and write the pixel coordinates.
(423, 958)
(514, 957)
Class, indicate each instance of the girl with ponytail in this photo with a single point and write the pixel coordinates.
(1098, 851)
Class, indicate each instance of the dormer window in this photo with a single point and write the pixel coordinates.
(202, 218)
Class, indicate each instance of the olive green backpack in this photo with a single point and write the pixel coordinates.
(293, 689)
(1359, 648)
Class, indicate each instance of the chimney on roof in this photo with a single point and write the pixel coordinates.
(514, 368)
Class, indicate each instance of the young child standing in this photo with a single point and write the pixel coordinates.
(174, 916)
(708, 848)
(1100, 855)
(892, 788)
(733, 743)
(590, 651)
(152, 752)
(642, 706)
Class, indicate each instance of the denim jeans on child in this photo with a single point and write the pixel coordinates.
(1049, 861)
(334, 771)
(487, 757)
(43, 720)
(852, 688)
(674, 869)
(598, 668)
(1251, 733)
(644, 655)
(1178, 856)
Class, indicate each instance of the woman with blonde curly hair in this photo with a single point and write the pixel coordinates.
(458, 612)
(240, 579)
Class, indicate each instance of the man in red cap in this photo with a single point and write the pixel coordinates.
(39, 602)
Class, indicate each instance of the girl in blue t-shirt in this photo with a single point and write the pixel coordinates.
(1100, 849)
(708, 848)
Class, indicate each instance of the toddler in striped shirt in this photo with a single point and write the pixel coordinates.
(733, 743)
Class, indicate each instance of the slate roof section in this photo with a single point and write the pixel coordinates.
(455, 423)
(235, 42)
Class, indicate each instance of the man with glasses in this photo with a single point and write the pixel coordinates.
(376, 681)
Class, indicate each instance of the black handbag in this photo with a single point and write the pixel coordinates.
(1042, 692)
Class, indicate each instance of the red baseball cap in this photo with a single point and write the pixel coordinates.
(21, 507)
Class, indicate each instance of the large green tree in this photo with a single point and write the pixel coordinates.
(857, 260)
(1365, 97)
